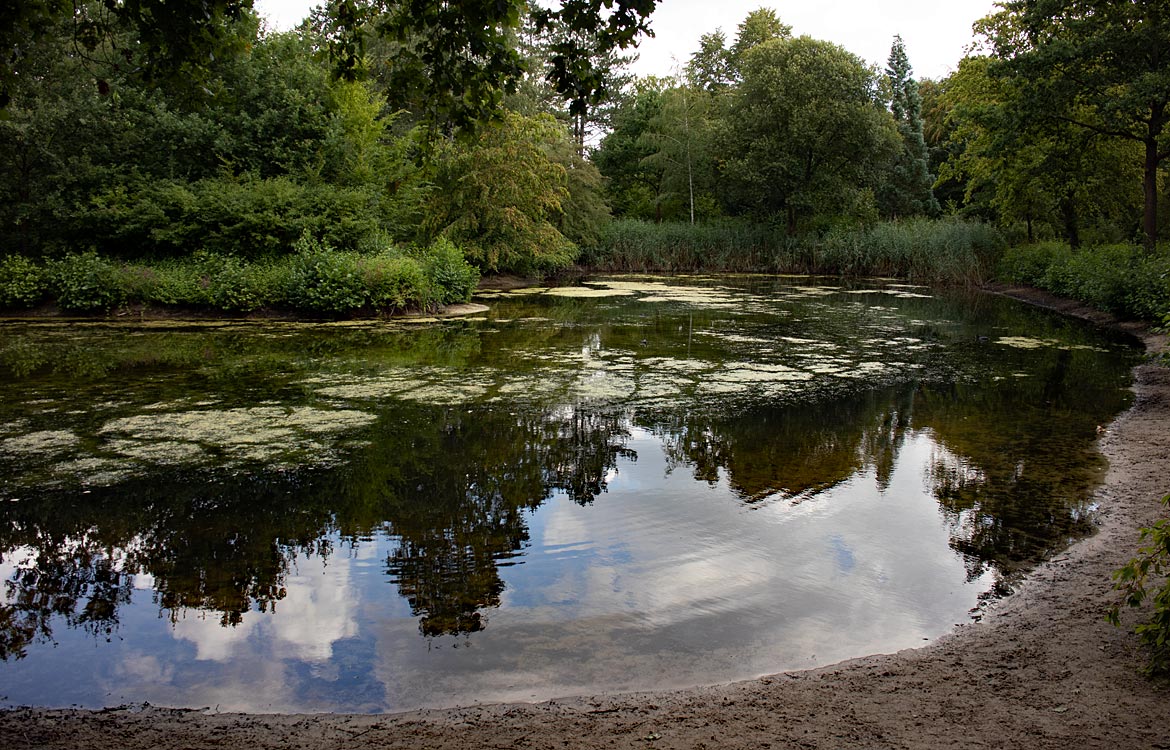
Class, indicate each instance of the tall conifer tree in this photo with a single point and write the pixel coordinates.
(907, 190)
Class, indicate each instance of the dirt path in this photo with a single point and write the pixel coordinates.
(1042, 670)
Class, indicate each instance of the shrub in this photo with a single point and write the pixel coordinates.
(86, 283)
(22, 282)
(1145, 577)
(1028, 264)
(234, 285)
(324, 279)
(1122, 279)
(393, 282)
(450, 277)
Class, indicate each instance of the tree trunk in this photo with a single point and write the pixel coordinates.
(791, 221)
(1072, 224)
(1150, 188)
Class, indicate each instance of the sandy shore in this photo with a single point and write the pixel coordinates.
(1041, 670)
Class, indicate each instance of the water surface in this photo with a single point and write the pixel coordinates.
(637, 483)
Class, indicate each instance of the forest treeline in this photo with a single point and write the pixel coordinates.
(383, 154)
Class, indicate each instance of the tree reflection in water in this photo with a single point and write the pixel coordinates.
(454, 487)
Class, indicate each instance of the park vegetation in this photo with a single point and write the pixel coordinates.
(208, 162)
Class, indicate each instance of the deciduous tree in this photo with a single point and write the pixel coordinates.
(1101, 67)
(806, 127)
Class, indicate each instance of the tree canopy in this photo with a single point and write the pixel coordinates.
(1099, 67)
(807, 126)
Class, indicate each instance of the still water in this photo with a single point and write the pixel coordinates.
(635, 483)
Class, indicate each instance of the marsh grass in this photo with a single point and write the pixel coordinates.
(936, 251)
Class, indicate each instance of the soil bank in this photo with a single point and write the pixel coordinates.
(1042, 669)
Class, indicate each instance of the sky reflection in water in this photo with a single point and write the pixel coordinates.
(692, 481)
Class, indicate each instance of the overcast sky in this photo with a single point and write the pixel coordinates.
(936, 32)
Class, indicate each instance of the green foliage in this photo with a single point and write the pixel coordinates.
(947, 251)
(804, 127)
(710, 68)
(680, 136)
(244, 217)
(760, 26)
(906, 191)
(1097, 68)
(23, 283)
(316, 279)
(174, 38)
(1144, 577)
(454, 61)
(331, 281)
(632, 184)
(86, 283)
(451, 278)
(1046, 175)
(326, 280)
(1121, 279)
(501, 198)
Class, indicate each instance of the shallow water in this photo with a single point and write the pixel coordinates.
(641, 483)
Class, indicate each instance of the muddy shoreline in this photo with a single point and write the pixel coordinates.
(1041, 670)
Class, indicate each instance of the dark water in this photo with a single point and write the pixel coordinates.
(681, 481)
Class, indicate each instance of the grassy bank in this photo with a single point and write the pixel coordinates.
(314, 279)
(1121, 279)
(941, 251)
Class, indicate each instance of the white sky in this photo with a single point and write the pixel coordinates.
(936, 32)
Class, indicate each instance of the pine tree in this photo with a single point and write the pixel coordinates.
(907, 189)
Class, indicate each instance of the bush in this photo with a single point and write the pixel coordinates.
(86, 283)
(332, 281)
(450, 277)
(324, 279)
(1122, 279)
(243, 217)
(393, 282)
(1145, 577)
(22, 282)
(234, 285)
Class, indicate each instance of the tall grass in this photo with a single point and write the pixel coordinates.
(936, 251)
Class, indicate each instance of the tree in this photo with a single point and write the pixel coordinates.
(501, 197)
(1043, 171)
(631, 183)
(710, 68)
(1098, 66)
(460, 54)
(761, 25)
(175, 39)
(806, 126)
(680, 136)
(907, 190)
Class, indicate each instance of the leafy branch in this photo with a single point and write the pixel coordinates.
(1140, 579)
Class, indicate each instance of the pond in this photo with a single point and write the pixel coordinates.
(635, 483)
